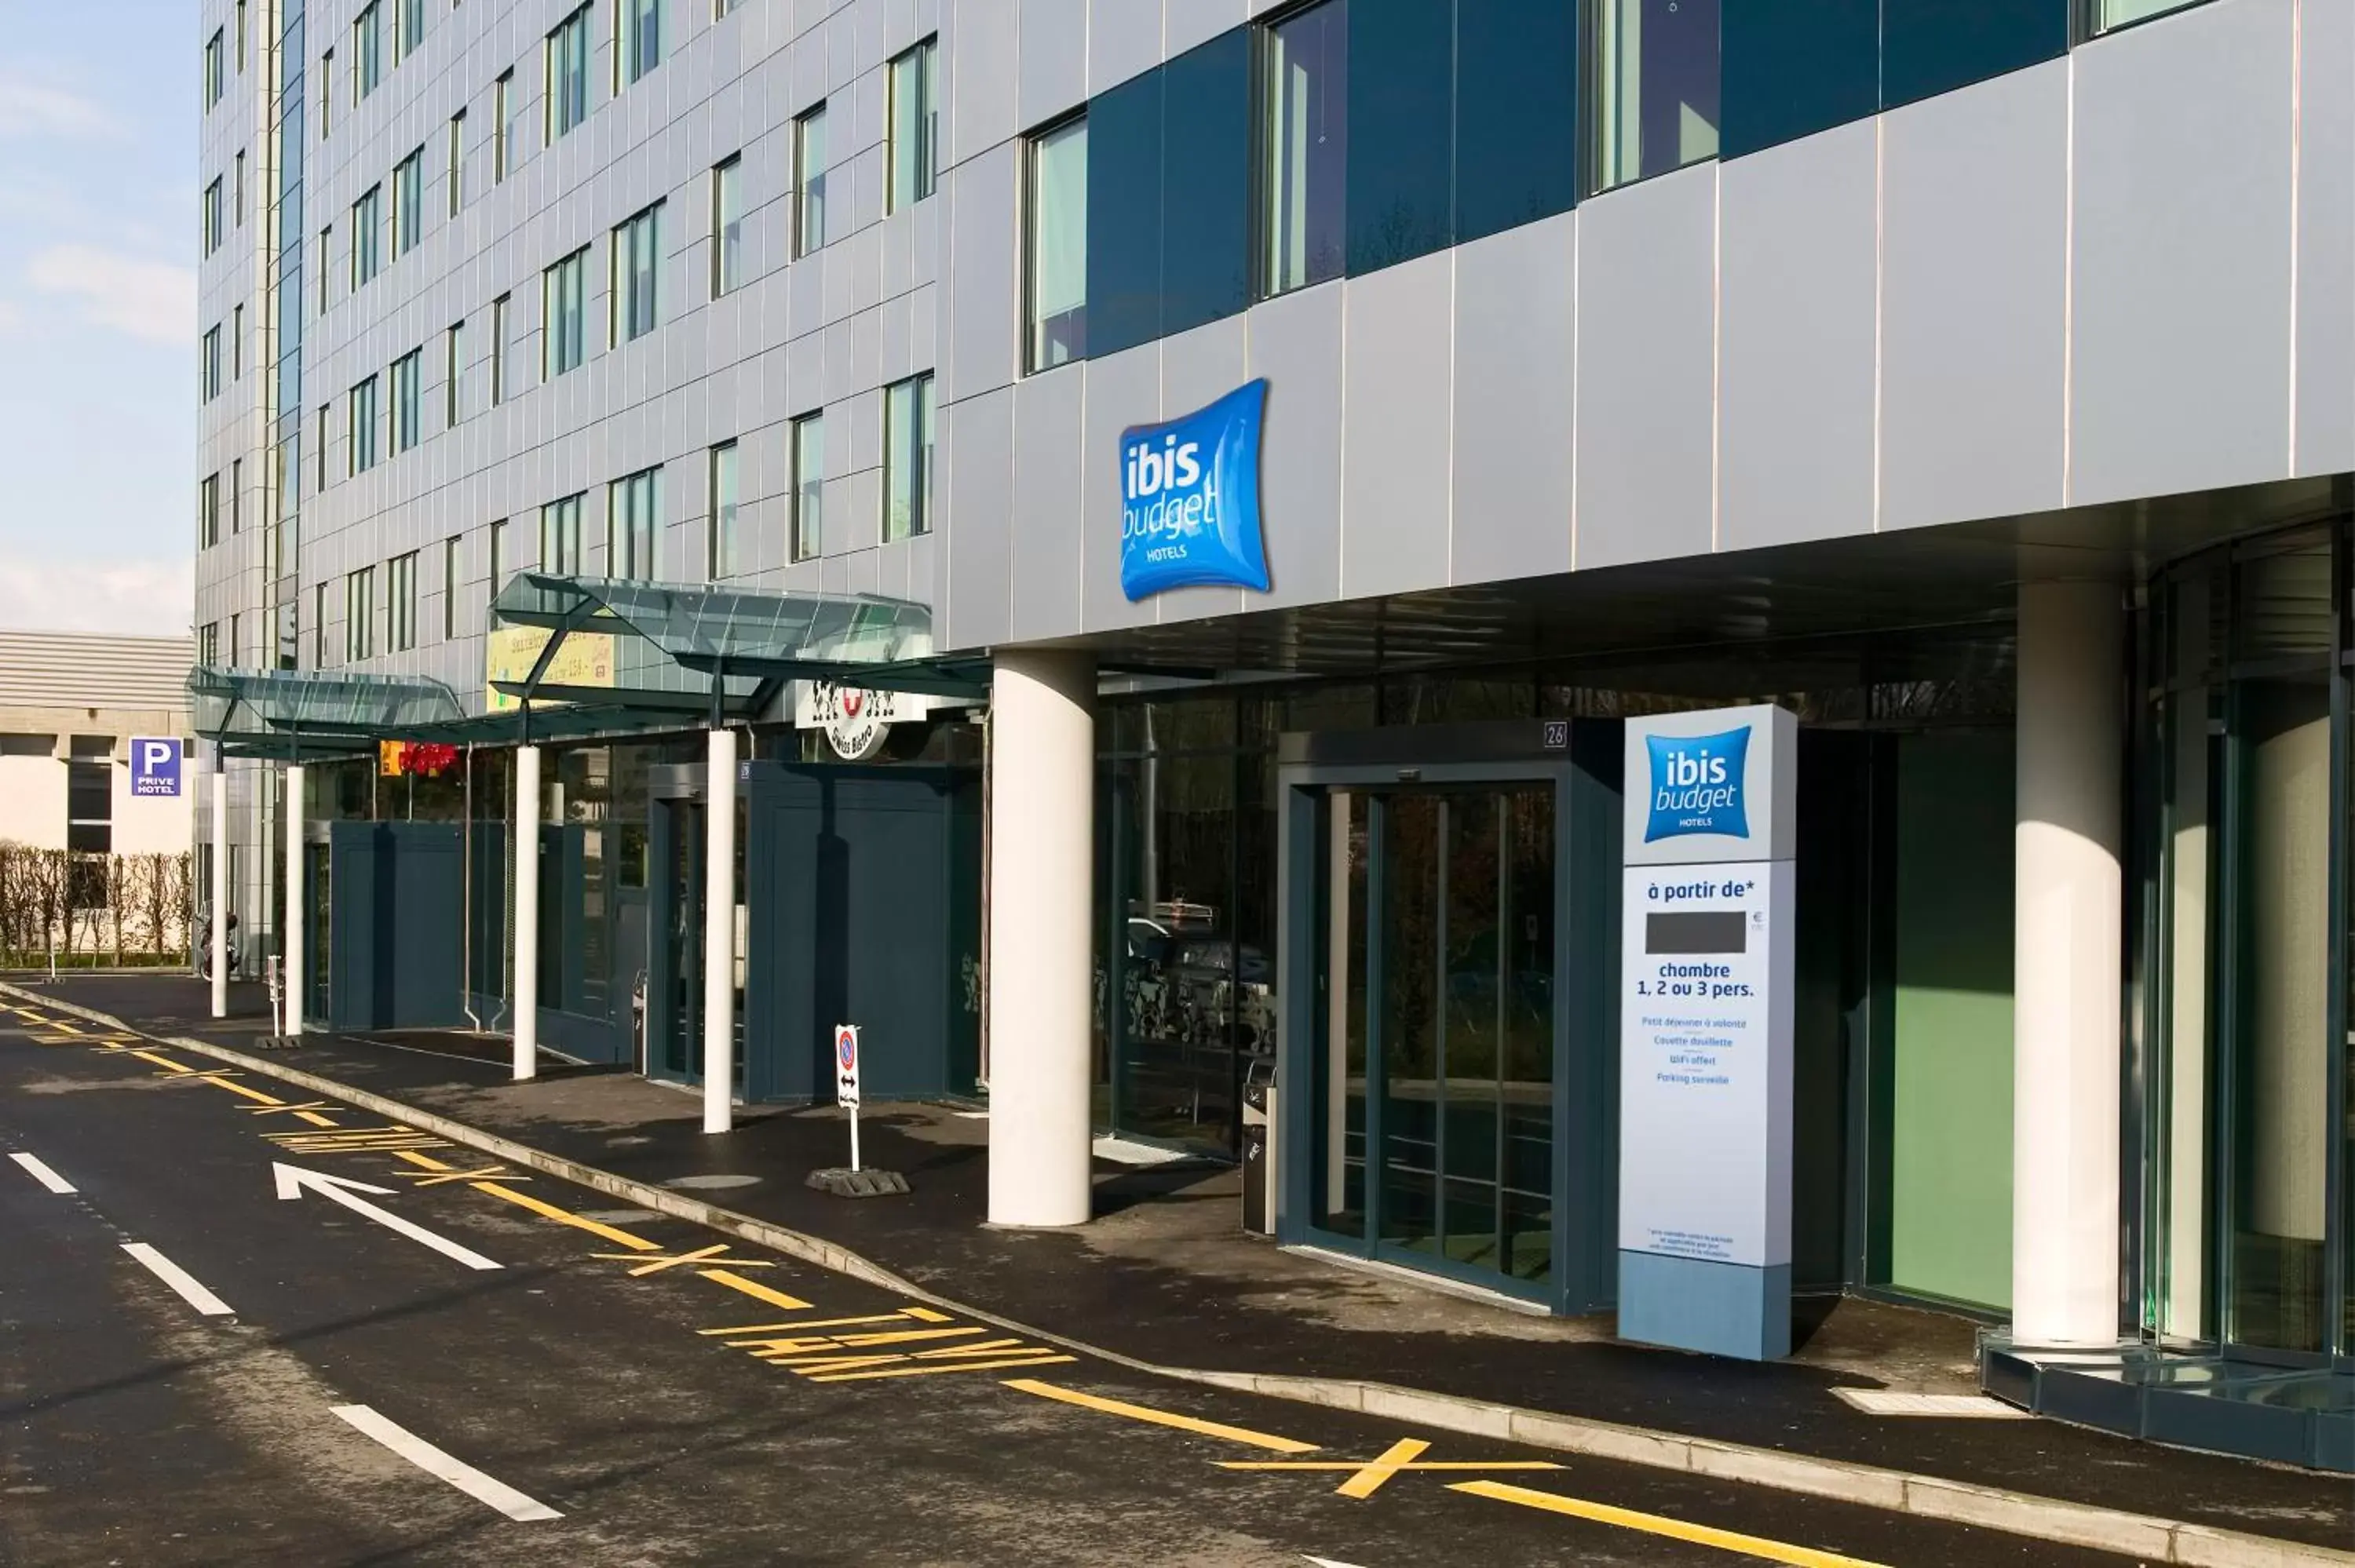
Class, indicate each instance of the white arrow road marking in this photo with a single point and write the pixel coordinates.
(179, 1278)
(1328, 1562)
(42, 1173)
(292, 1179)
(483, 1489)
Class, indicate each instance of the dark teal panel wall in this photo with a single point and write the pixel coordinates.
(1516, 114)
(1401, 108)
(1793, 69)
(1929, 46)
(1205, 184)
(1125, 215)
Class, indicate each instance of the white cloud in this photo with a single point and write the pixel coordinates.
(11, 316)
(151, 597)
(32, 109)
(150, 299)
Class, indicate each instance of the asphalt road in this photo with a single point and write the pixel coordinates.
(477, 1366)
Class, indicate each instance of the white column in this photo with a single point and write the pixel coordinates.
(291, 943)
(2067, 965)
(1041, 952)
(720, 933)
(527, 912)
(219, 894)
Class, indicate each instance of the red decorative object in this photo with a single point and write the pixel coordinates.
(428, 759)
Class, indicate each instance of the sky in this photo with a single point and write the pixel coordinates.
(98, 305)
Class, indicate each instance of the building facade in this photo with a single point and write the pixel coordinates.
(1976, 382)
(71, 703)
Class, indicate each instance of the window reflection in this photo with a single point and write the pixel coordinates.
(1655, 87)
(1307, 145)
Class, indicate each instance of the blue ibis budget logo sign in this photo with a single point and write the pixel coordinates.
(1697, 785)
(1189, 499)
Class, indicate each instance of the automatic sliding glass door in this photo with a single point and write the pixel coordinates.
(1439, 1028)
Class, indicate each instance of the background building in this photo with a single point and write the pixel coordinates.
(1979, 383)
(69, 704)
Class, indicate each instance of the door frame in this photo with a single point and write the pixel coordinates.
(1582, 759)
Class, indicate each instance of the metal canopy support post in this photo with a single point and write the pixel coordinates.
(719, 931)
(527, 912)
(219, 879)
(291, 943)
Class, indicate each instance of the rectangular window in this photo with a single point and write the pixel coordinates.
(1930, 46)
(406, 422)
(236, 639)
(407, 29)
(809, 486)
(209, 363)
(363, 432)
(727, 226)
(210, 212)
(1401, 167)
(408, 202)
(564, 341)
(809, 182)
(326, 273)
(453, 367)
(240, 36)
(208, 512)
(1516, 115)
(2106, 14)
(237, 343)
(359, 615)
(912, 159)
(367, 49)
(367, 215)
(1308, 145)
(502, 139)
(499, 350)
(497, 560)
(455, 175)
(638, 39)
(908, 459)
(400, 603)
(1652, 86)
(325, 411)
(560, 537)
(236, 202)
(209, 642)
(635, 277)
(237, 495)
(1056, 266)
(723, 547)
(326, 93)
(567, 76)
(1209, 99)
(450, 588)
(216, 78)
(633, 522)
(90, 820)
(319, 627)
(1791, 71)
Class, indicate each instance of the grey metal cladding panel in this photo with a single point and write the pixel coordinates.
(1796, 344)
(984, 63)
(1396, 426)
(1123, 389)
(1647, 365)
(1048, 413)
(2325, 240)
(2182, 263)
(1053, 74)
(1196, 367)
(1296, 342)
(1123, 41)
(1192, 22)
(1974, 217)
(1515, 315)
(983, 262)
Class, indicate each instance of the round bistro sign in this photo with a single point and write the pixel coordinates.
(856, 722)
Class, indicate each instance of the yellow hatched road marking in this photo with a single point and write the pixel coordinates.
(1654, 1524)
(281, 1108)
(755, 1289)
(1163, 1417)
(1024, 1356)
(777, 1347)
(566, 1217)
(716, 1255)
(315, 1119)
(268, 1102)
(163, 1061)
(921, 1314)
(1371, 1479)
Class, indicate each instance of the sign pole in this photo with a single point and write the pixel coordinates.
(846, 1080)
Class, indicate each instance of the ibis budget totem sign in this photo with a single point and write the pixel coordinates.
(1707, 938)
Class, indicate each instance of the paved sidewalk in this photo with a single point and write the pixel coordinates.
(1164, 1276)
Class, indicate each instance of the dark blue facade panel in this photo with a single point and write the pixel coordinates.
(1792, 70)
(1929, 46)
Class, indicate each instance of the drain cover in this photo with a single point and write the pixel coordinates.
(711, 1184)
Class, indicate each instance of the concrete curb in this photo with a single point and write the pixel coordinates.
(2142, 1536)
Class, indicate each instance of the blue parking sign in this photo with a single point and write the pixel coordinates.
(155, 765)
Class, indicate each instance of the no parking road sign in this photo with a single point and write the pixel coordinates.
(846, 1064)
